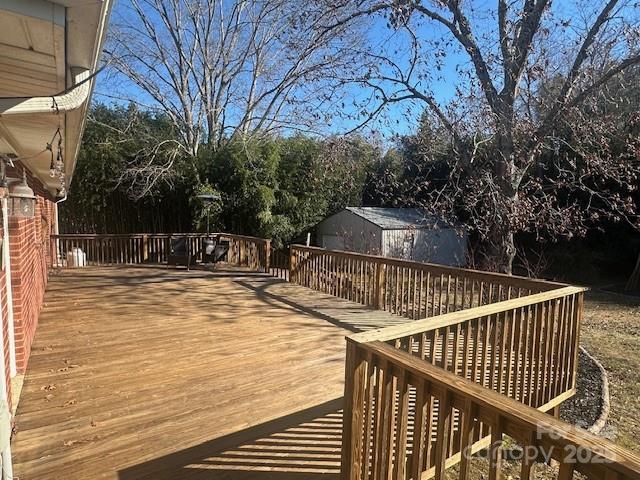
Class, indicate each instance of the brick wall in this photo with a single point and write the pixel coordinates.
(5, 328)
(29, 247)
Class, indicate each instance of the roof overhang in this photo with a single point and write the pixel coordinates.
(48, 53)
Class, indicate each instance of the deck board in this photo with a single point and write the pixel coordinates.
(150, 373)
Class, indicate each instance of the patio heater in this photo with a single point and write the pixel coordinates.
(207, 200)
(208, 244)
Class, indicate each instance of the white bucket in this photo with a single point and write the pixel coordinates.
(76, 258)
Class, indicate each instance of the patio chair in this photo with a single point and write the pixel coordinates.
(180, 252)
(214, 250)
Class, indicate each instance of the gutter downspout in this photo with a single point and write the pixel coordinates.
(65, 102)
(6, 259)
(56, 230)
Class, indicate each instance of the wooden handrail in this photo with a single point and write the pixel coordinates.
(454, 318)
(470, 273)
(376, 363)
(406, 288)
(151, 248)
(157, 235)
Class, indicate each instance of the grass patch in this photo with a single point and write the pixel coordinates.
(611, 332)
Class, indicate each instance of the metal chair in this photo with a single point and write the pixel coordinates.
(214, 250)
(180, 252)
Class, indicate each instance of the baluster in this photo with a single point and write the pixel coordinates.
(526, 371)
(502, 359)
(494, 351)
(467, 434)
(455, 294)
(443, 432)
(464, 293)
(448, 295)
(441, 295)
(495, 451)
(421, 294)
(402, 424)
(404, 304)
(371, 405)
(539, 348)
(430, 294)
(520, 352)
(473, 294)
(546, 371)
(527, 458)
(421, 429)
(484, 381)
(562, 346)
(555, 348)
(573, 341)
(384, 457)
(476, 348)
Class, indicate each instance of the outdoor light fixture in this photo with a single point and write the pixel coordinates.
(207, 200)
(22, 200)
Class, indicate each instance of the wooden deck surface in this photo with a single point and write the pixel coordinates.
(150, 373)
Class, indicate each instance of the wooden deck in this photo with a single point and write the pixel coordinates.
(149, 373)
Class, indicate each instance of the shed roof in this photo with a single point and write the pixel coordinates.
(396, 218)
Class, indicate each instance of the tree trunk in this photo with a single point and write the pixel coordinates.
(500, 250)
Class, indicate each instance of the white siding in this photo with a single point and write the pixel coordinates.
(347, 231)
(445, 246)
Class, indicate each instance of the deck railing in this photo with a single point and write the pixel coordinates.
(484, 345)
(141, 248)
(280, 263)
(409, 419)
(486, 355)
(410, 289)
(524, 348)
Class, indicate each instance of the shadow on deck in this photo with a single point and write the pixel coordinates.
(151, 373)
(301, 446)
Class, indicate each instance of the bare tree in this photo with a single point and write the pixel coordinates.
(221, 69)
(530, 76)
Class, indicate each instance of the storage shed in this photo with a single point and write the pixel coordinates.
(408, 233)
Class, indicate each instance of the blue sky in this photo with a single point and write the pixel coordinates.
(401, 118)
(394, 121)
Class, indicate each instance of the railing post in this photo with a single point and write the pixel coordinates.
(576, 344)
(378, 291)
(267, 256)
(293, 266)
(145, 248)
(353, 419)
(233, 251)
(52, 252)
